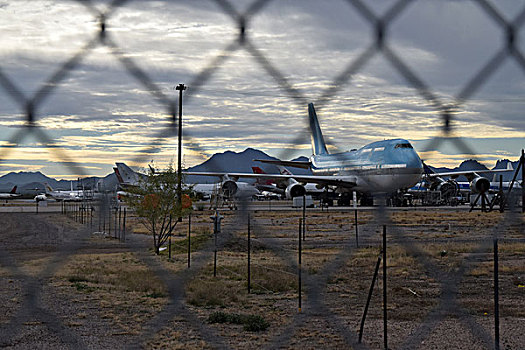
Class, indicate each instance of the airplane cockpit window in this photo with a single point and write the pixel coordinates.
(403, 145)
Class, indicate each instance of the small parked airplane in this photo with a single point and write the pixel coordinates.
(10, 195)
(64, 195)
(40, 197)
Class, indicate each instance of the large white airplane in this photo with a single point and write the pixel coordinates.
(379, 167)
(10, 195)
(229, 188)
(64, 195)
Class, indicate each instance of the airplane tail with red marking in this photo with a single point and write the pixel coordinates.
(260, 181)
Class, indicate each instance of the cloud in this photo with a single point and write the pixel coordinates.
(100, 113)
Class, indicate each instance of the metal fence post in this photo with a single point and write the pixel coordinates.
(249, 256)
(215, 248)
(496, 296)
(304, 217)
(189, 240)
(385, 336)
(522, 181)
(371, 290)
(216, 228)
(169, 238)
(119, 222)
(299, 266)
(356, 230)
(124, 227)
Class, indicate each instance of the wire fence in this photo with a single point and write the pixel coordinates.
(318, 280)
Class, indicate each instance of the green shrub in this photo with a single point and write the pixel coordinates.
(255, 323)
(218, 317)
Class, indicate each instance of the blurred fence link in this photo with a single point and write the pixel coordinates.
(379, 26)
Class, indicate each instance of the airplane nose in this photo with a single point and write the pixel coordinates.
(413, 161)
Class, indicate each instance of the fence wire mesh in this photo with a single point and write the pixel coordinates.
(33, 306)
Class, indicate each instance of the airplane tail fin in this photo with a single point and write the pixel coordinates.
(48, 188)
(318, 144)
(283, 170)
(117, 174)
(13, 191)
(127, 174)
(257, 170)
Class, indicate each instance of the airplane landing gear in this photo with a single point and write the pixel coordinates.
(367, 200)
(344, 199)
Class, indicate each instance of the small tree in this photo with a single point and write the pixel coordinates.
(156, 203)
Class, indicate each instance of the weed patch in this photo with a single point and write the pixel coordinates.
(197, 241)
(155, 295)
(212, 293)
(74, 279)
(112, 271)
(274, 279)
(82, 287)
(251, 323)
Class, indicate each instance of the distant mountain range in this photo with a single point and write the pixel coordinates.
(239, 163)
(33, 182)
(472, 164)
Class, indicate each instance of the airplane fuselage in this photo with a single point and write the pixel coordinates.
(382, 166)
(244, 190)
(8, 195)
(67, 196)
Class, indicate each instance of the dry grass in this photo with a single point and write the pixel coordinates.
(126, 291)
(128, 294)
(219, 292)
(120, 271)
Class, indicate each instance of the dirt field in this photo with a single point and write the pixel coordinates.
(64, 285)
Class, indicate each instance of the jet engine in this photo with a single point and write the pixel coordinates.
(229, 188)
(295, 190)
(448, 188)
(479, 185)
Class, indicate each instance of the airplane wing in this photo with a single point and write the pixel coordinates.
(329, 180)
(292, 163)
(471, 173)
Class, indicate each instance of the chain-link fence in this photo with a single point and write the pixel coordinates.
(331, 255)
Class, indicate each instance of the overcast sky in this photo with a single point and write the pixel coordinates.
(100, 114)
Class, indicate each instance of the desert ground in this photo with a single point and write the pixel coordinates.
(66, 284)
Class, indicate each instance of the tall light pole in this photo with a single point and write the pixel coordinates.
(180, 88)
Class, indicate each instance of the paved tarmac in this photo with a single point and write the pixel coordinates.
(29, 206)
